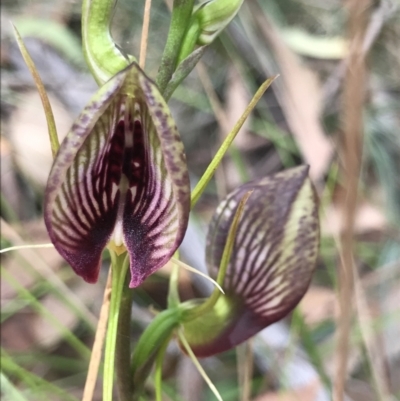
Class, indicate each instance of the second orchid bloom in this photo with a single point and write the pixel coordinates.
(270, 268)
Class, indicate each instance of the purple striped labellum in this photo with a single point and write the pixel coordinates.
(120, 178)
(270, 268)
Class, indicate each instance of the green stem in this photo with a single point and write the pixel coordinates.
(51, 125)
(155, 335)
(158, 372)
(123, 347)
(208, 304)
(196, 363)
(181, 13)
(119, 267)
(205, 179)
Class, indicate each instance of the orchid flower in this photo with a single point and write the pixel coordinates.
(120, 178)
(274, 254)
(270, 263)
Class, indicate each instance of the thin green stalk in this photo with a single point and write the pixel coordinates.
(123, 347)
(119, 267)
(205, 179)
(51, 125)
(209, 303)
(181, 13)
(158, 370)
(195, 361)
(152, 339)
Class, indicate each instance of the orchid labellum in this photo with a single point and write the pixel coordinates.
(120, 178)
(270, 268)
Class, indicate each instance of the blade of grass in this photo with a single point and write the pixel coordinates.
(51, 125)
(158, 370)
(9, 391)
(205, 179)
(198, 366)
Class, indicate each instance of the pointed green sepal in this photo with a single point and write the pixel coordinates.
(102, 55)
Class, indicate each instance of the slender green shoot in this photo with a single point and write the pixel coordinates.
(51, 125)
(119, 267)
(158, 370)
(192, 356)
(195, 271)
(181, 12)
(209, 303)
(205, 179)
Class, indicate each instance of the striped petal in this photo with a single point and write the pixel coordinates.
(273, 258)
(120, 175)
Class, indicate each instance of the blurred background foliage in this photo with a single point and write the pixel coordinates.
(48, 316)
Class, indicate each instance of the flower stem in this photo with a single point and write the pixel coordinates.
(181, 12)
(152, 339)
(119, 267)
(158, 372)
(123, 348)
(208, 304)
(206, 177)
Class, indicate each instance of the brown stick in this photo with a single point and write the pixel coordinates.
(353, 101)
(145, 34)
(97, 349)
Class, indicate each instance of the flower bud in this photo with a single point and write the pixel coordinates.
(208, 20)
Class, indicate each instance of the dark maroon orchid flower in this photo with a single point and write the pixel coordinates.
(120, 178)
(270, 268)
